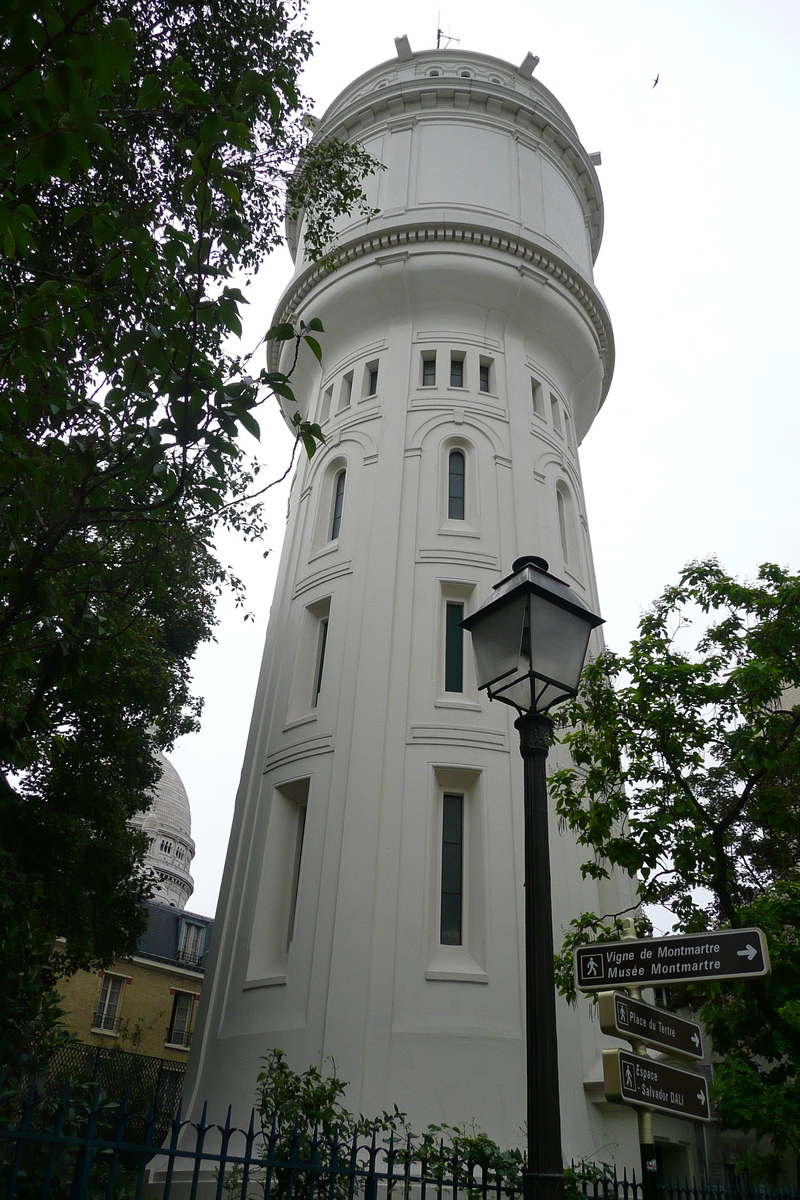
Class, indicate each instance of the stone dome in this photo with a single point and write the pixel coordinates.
(168, 823)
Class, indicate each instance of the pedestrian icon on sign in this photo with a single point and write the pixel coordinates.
(593, 966)
(628, 1076)
(623, 1014)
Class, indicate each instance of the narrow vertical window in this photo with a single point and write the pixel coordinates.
(325, 411)
(178, 1033)
(428, 370)
(298, 858)
(538, 402)
(456, 371)
(556, 414)
(338, 504)
(568, 429)
(452, 900)
(562, 522)
(108, 1005)
(484, 380)
(454, 648)
(323, 639)
(346, 392)
(372, 389)
(455, 492)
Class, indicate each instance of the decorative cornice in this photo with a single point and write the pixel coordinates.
(533, 259)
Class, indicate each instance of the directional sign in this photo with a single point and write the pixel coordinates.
(622, 1016)
(647, 1083)
(634, 962)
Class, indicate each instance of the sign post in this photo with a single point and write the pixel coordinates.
(633, 963)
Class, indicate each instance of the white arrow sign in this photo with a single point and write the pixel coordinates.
(701, 1098)
(749, 952)
(696, 1040)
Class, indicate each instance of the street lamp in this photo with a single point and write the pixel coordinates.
(530, 640)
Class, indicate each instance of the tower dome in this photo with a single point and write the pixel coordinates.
(168, 824)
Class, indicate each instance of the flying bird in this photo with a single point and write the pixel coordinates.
(655, 81)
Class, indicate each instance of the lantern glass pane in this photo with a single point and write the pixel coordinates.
(496, 639)
(559, 640)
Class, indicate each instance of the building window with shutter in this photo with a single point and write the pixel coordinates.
(106, 1018)
(179, 1032)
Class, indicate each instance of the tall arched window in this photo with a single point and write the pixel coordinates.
(562, 523)
(455, 493)
(338, 503)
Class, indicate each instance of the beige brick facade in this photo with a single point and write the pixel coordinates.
(144, 1015)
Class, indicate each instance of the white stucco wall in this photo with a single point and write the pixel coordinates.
(491, 214)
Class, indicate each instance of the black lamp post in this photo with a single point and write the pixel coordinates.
(530, 640)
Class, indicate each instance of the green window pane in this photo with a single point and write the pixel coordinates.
(454, 648)
(455, 493)
(452, 893)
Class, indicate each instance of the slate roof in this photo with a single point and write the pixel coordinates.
(162, 940)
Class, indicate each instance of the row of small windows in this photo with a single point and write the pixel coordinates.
(562, 425)
(458, 370)
(344, 397)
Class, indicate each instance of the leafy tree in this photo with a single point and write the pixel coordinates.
(149, 151)
(686, 773)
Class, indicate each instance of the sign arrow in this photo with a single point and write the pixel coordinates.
(649, 1083)
(696, 1040)
(685, 958)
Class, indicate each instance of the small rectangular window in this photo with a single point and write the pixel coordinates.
(538, 401)
(457, 370)
(325, 411)
(452, 894)
(429, 370)
(556, 414)
(373, 382)
(346, 391)
(323, 638)
(454, 648)
(485, 374)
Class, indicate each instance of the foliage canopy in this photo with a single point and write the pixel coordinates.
(686, 774)
(149, 151)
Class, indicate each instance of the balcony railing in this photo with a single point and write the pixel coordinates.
(187, 956)
(103, 1022)
(179, 1037)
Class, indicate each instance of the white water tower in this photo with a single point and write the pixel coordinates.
(372, 903)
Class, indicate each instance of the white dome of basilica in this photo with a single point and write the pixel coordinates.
(168, 823)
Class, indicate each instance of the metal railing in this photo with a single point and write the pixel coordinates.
(178, 1037)
(102, 1022)
(85, 1148)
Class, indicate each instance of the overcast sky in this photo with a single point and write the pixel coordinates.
(695, 451)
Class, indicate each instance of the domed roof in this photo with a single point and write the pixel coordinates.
(170, 811)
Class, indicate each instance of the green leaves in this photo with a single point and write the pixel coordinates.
(686, 773)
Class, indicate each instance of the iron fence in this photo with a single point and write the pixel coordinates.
(86, 1148)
